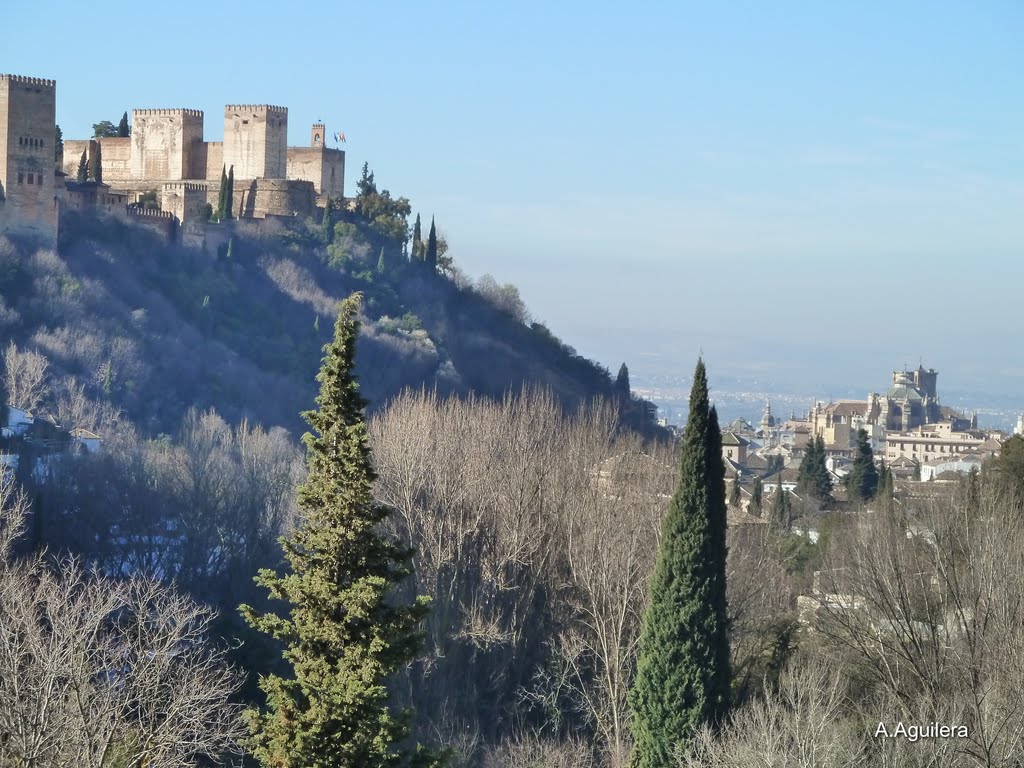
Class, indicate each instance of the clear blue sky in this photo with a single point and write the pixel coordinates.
(834, 172)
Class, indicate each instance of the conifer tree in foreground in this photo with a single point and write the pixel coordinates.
(622, 388)
(683, 675)
(123, 129)
(96, 161)
(346, 633)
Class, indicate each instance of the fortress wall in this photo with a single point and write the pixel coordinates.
(162, 141)
(256, 140)
(275, 197)
(116, 156)
(324, 167)
(207, 160)
(186, 200)
(73, 149)
(27, 137)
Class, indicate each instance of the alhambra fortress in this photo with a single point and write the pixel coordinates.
(166, 157)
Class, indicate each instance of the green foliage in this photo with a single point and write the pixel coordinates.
(683, 670)
(782, 509)
(83, 168)
(431, 254)
(347, 632)
(104, 130)
(757, 497)
(417, 241)
(381, 266)
(58, 145)
(813, 478)
(222, 195)
(123, 129)
(862, 482)
(229, 196)
(1008, 466)
(96, 162)
(735, 494)
(622, 388)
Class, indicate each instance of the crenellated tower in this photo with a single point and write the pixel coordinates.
(28, 109)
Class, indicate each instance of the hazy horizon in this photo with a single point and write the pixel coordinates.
(811, 194)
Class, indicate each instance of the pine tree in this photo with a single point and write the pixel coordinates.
(417, 240)
(347, 632)
(682, 678)
(222, 196)
(96, 162)
(622, 388)
(820, 476)
(58, 147)
(431, 254)
(122, 127)
(83, 168)
(862, 482)
(229, 196)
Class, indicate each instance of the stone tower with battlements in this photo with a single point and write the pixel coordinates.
(27, 156)
(256, 141)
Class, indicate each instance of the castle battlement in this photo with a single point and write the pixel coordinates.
(150, 213)
(257, 108)
(185, 186)
(168, 112)
(29, 80)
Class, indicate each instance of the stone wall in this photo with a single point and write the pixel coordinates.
(162, 141)
(275, 197)
(256, 140)
(27, 155)
(186, 200)
(324, 167)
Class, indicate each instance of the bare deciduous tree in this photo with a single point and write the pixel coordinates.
(95, 672)
(24, 377)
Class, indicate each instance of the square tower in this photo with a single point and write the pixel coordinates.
(163, 141)
(28, 125)
(256, 141)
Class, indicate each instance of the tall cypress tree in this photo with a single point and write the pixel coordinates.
(96, 161)
(417, 240)
(122, 127)
(622, 388)
(222, 196)
(682, 677)
(431, 255)
(347, 632)
(83, 168)
(229, 196)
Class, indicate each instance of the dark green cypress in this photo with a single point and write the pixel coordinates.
(222, 196)
(683, 675)
(95, 161)
(757, 497)
(347, 632)
(229, 196)
(622, 388)
(417, 240)
(83, 168)
(431, 256)
(122, 127)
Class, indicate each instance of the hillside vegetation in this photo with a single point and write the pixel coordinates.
(151, 330)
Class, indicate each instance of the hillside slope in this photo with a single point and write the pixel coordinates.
(152, 330)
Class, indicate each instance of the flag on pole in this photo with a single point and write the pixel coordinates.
(339, 137)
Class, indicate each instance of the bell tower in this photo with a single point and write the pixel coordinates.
(318, 136)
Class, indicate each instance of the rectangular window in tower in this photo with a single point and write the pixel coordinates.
(21, 178)
(31, 178)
